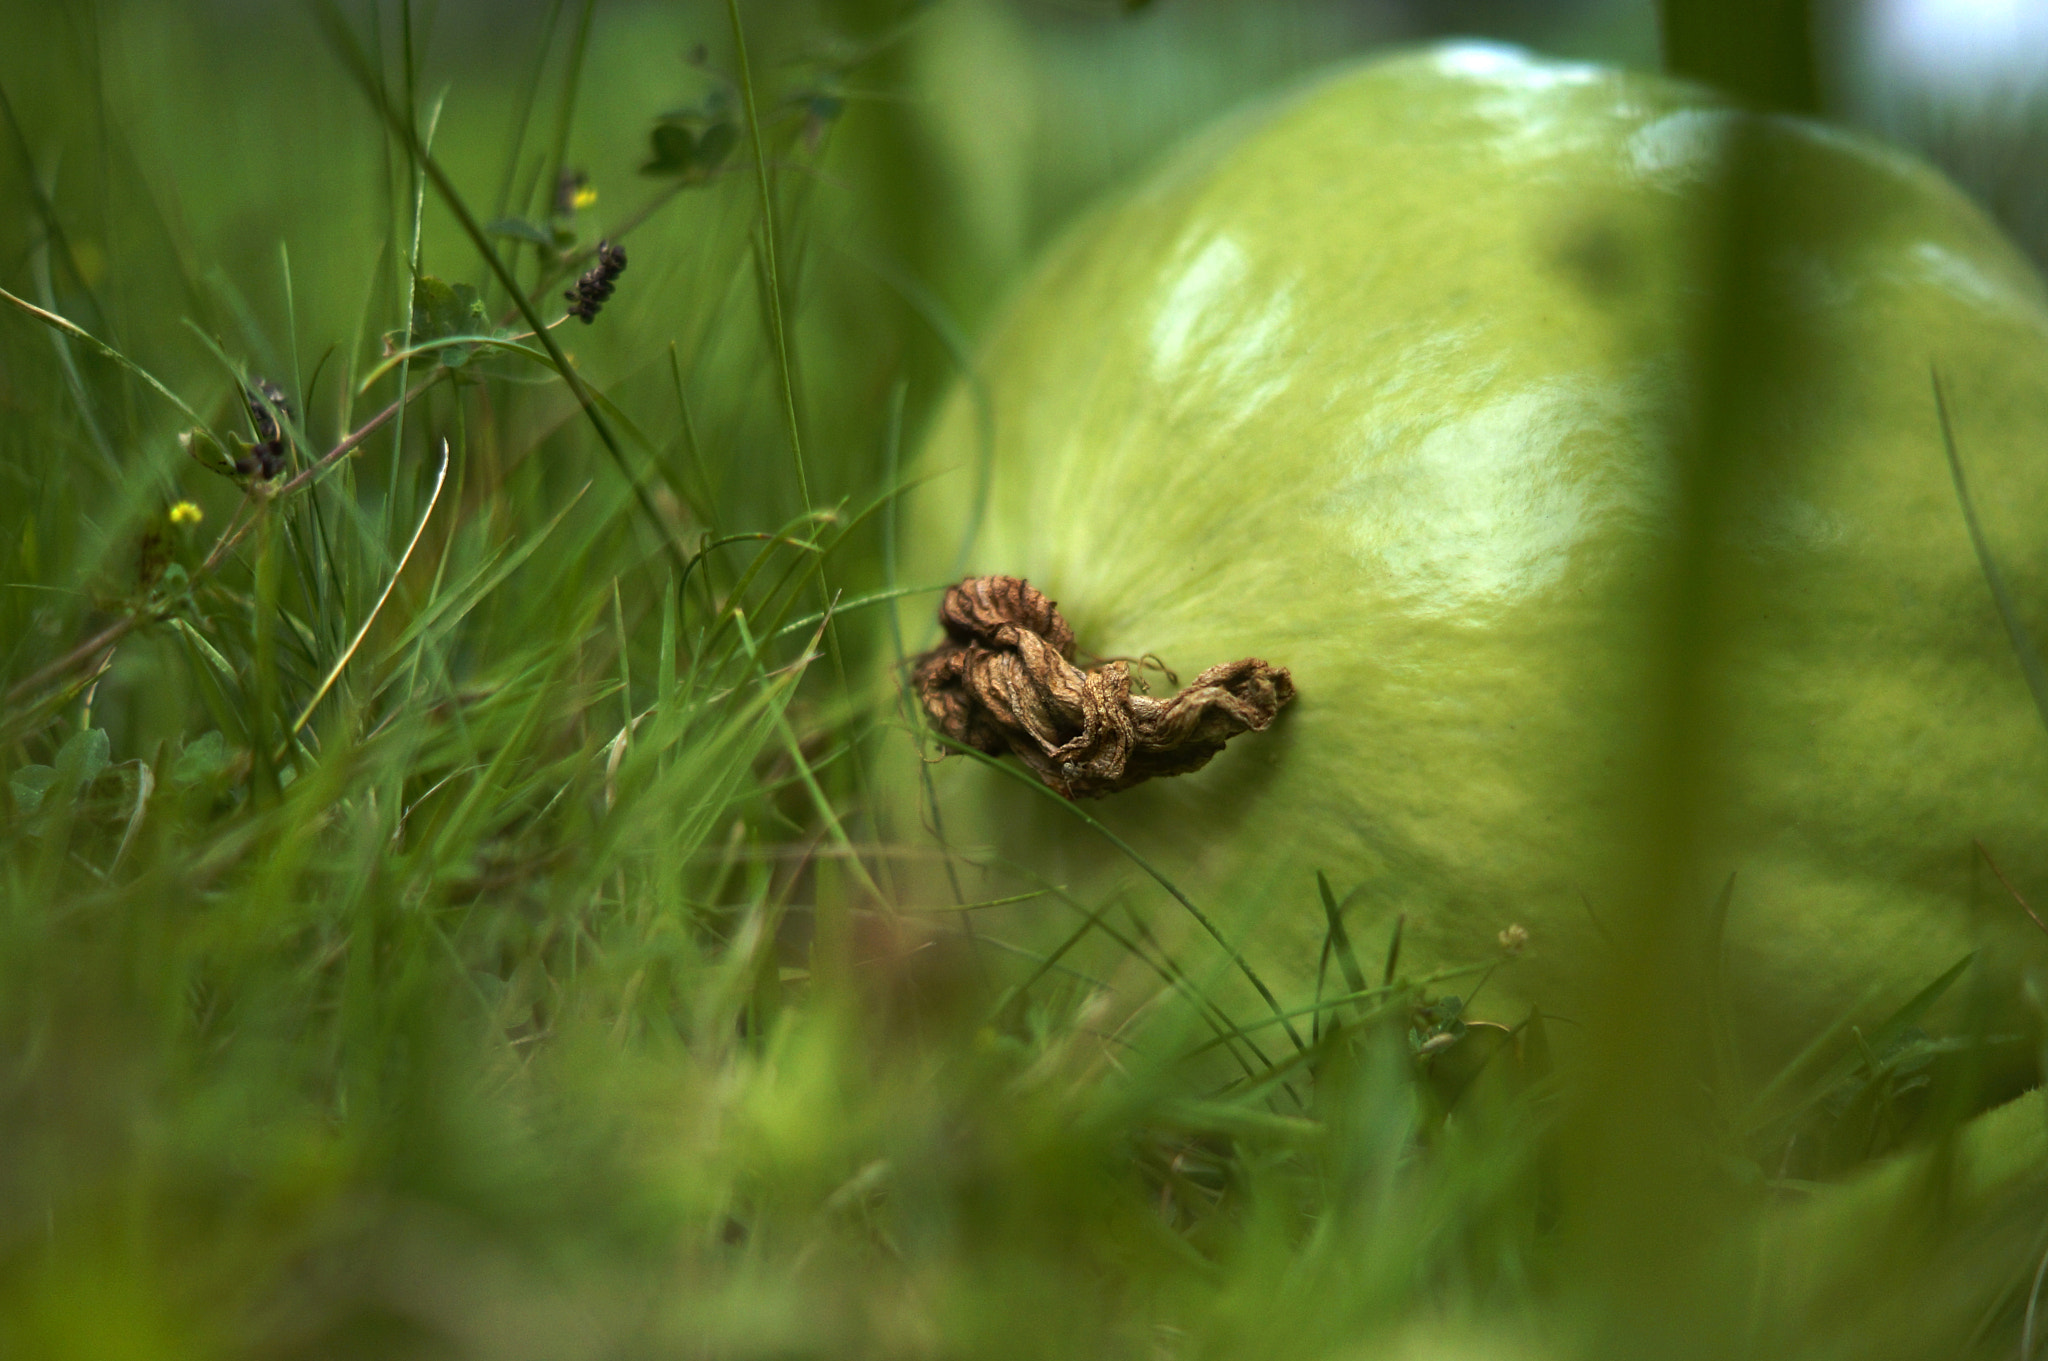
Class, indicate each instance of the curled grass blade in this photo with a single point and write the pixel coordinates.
(486, 578)
(1219, 1022)
(858, 602)
(65, 326)
(1365, 995)
(2023, 650)
(398, 358)
(341, 662)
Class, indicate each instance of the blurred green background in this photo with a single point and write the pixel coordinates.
(496, 1008)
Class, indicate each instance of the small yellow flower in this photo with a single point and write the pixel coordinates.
(1514, 940)
(186, 513)
(584, 197)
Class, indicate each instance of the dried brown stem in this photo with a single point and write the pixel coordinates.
(1005, 681)
(85, 651)
(345, 445)
(2025, 907)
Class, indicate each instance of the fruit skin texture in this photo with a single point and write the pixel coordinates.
(1378, 383)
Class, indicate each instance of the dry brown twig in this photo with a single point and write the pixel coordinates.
(1005, 681)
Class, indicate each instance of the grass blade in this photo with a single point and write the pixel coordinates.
(341, 662)
(2023, 650)
(778, 324)
(1202, 918)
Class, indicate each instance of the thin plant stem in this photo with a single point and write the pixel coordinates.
(777, 322)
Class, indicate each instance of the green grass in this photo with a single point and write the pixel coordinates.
(442, 907)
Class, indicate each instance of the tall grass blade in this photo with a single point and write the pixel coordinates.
(2023, 650)
(398, 570)
(778, 322)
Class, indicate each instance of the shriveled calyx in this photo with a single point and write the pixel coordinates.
(1005, 681)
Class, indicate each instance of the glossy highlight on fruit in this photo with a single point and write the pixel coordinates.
(1378, 382)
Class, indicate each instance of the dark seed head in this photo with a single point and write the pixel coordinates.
(260, 412)
(597, 284)
(265, 458)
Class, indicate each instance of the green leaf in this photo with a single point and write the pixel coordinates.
(1886, 1036)
(521, 229)
(201, 760)
(211, 455)
(444, 309)
(690, 145)
(81, 759)
(221, 669)
(29, 784)
(674, 148)
(79, 762)
(440, 310)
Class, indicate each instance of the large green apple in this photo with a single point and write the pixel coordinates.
(1382, 383)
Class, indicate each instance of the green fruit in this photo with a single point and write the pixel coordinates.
(1380, 383)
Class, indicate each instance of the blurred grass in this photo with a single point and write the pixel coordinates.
(544, 992)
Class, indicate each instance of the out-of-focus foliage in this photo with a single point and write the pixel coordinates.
(439, 911)
(1966, 84)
